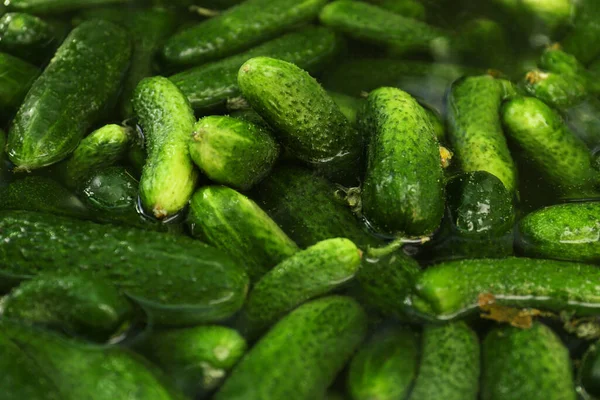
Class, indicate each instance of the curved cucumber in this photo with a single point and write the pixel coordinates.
(16, 77)
(27, 36)
(557, 90)
(57, 6)
(583, 41)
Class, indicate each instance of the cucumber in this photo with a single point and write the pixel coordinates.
(449, 365)
(307, 121)
(407, 8)
(403, 191)
(169, 176)
(16, 77)
(233, 152)
(70, 95)
(539, 15)
(557, 90)
(475, 130)
(208, 86)
(554, 59)
(206, 286)
(255, 21)
(196, 359)
(589, 371)
(311, 344)
(28, 37)
(486, 44)
(526, 364)
(437, 123)
(57, 6)
(385, 366)
(562, 232)
(79, 304)
(348, 105)
(230, 221)
(518, 282)
(583, 41)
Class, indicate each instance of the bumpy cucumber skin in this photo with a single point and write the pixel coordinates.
(70, 95)
(307, 121)
(57, 6)
(26, 36)
(584, 39)
(206, 286)
(558, 61)
(449, 365)
(589, 372)
(403, 190)
(253, 21)
(557, 90)
(520, 282)
(233, 152)
(385, 366)
(230, 221)
(16, 77)
(312, 343)
(307, 274)
(167, 120)
(526, 364)
(475, 129)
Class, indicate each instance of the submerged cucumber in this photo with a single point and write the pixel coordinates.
(27, 36)
(583, 41)
(16, 77)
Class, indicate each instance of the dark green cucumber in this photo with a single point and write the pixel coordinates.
(307, 121)
(348, 105)
(519, 282)
(206, 286)
(169, 177)
(27, 36)
(486, 44)
(385, 366)
(70, 95)
(311, 344)
(557, 90)
(526, 364)
(589, 372)
(196, 359)
(208, 86)
(554, 59)
(230, 221)
(254, 20)
(16, 77)
(57, 6)
(232, 151)
(403, 191)
(449, 365)
(79, 304)
(407, 8)
(583, 41)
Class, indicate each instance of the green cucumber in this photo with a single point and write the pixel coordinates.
(385, 366)
(437, 122)
(449, 365)
(70, 95)
(475, 129)
(486, 44)
(27, 36)
(206, 286)
(255, 21)
(519, 282)
(526, 364)
(230, 221)
(537, 14)
(311, 344)
(589, 371)
(407, 8)
(557, 90)
(167, 120)
(233, 152)
(307, 121)
(403, 190)
(348, 105)
(208, 86)
(57, 6)
(554, 59)
(583, 41)
(16, 77)
(79, 304)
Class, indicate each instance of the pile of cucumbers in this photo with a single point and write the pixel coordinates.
(299, 199)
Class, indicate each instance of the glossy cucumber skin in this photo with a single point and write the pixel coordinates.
(584, 39)
(385, 366)
(16, 77)
(206, 286)
(449, 366)
(557, 60)
(209, 85)
(169, 176)
(307, 121)
(519, 282)
(475, 129)
(57, 6)
(557, 90)
(403, 191)
(70, 95)
(562, 232)
(312, 343)
(230, 221)
(526, 363)
(254, 21)
(27, 36)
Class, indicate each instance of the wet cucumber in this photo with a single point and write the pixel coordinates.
(403, 191)
(583, 41)
(16, 77)
(589, 372)
(437, 123)
(206, 286)
(70, 95)
(560, 91)
(57, 6)
(526, 364)
(537, 14)
(254, 20)
(167, 120)
(312, 344)
(486, 44)
(230, 221)
(406, 8)
(554, 59)
(27, 36)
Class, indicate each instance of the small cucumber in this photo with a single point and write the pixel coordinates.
(79, 304)
(526, 364)
(169, 176)
(230, 221)
(407, 8)
(233, 152)
(583, 41)
(555, 60)
(403, 191)
(589, 372)
(70, 95)
(27, 36)
(254, 20)
(557, 90)
(385, 366)
(16, 77)
(57, 6)
(348, 105)
(311, 344)
(307, 121)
